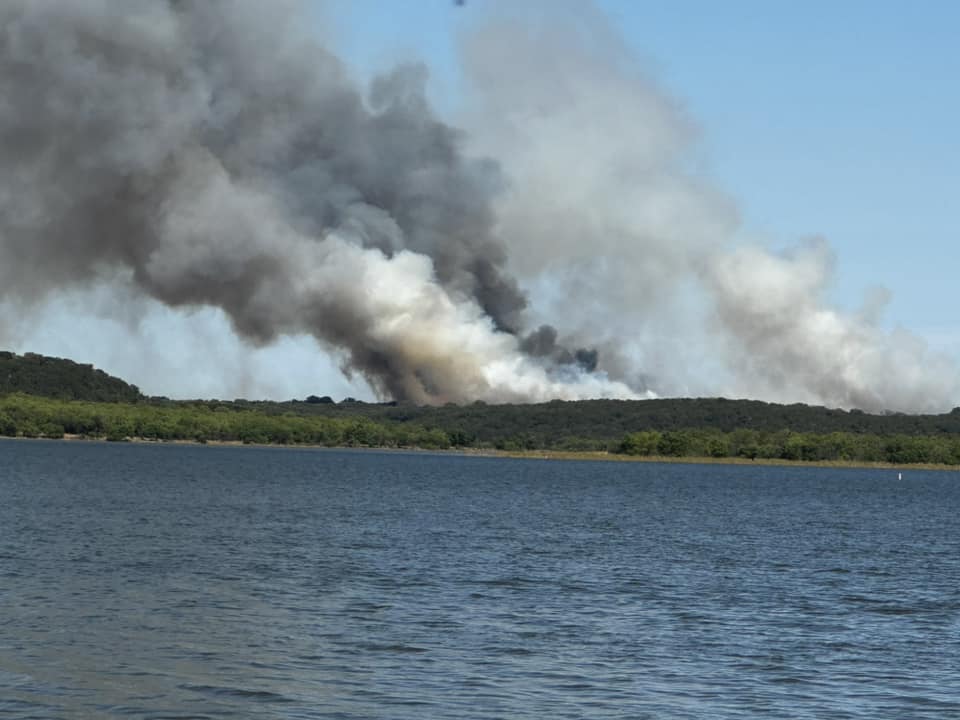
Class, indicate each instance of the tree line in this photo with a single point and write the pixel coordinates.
(24, 415)
(897, 449)
(33, 417)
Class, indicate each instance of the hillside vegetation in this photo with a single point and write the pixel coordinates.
(60, 378)
(549, 423)
(50, 397)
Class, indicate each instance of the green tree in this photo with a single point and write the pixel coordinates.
(645, 442)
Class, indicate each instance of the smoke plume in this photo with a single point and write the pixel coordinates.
(214, 155)
(648, 257)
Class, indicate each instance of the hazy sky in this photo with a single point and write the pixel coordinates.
(816, 118)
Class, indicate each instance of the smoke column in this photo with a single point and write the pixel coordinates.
(214, 155)
(653, 265)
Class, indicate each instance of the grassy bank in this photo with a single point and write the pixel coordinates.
(704, 460)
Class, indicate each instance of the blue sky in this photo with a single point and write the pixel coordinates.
(818, 118)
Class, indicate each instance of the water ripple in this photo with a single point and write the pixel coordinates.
(178, 582)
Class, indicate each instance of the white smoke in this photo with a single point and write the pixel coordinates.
(616, 234)
(793, 345)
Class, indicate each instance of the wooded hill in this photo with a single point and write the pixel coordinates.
(60, 378)
(50, 397)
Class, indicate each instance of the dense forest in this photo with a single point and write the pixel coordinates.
(51, 397)
(547, 423)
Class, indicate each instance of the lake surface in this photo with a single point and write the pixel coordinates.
(209, 582)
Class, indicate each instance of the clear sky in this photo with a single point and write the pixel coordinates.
(819, 118)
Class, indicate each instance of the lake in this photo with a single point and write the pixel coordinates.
(163, 581)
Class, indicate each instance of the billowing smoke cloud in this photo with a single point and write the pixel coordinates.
(213, 155)
(615, 234)
(788, 337)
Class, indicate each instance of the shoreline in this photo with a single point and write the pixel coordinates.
(600, 456)
(556, 455)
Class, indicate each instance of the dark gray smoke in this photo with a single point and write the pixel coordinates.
(542, 343)
(213, 154)
(105, 104)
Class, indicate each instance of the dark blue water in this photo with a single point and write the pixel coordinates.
(199, 582)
